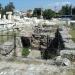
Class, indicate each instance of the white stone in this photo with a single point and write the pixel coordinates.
(30, 50)
(9, 15)
(62, 61)
(68, 52)
(0, 16)
(66, 62)
(4, 16)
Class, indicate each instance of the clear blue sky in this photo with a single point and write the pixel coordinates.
(30, 4)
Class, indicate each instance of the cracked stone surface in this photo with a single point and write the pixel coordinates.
(18, 68)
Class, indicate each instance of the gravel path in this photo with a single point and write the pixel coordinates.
(34, 54)
(18, 68)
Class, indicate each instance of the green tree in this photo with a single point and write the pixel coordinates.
(48, 14)
(73, 11)
(37, 12)
(0, 8)
(10, 7)
(54, 47)
(66, 10)
(2, 12)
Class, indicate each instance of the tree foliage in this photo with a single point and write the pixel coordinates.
(0, 7)
(73, 11)
(55, 45)
(48, 14)
(66, 10)
(37, 12)
(10, 7)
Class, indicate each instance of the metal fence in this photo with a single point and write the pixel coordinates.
(9, 40)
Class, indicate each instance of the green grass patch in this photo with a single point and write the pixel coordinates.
(72, 32)
(5, 36)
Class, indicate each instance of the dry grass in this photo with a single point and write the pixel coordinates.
(72, 32)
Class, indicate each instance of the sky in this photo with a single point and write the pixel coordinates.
(31, 4)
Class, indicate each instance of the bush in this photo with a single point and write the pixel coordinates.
(48, 14)
(25, 52)
(53, 47)
(47, 55)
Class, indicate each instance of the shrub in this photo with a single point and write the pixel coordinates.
(54, 47)
(25, 52)
(45, 54)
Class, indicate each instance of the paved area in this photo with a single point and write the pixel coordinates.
(34, 54)
(18, 68)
